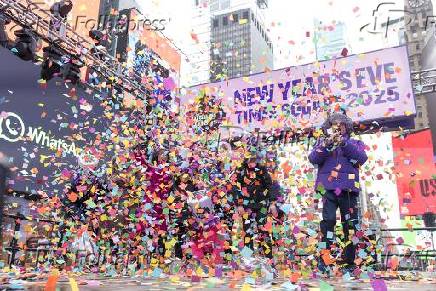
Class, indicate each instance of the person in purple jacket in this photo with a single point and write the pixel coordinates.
(338, 158)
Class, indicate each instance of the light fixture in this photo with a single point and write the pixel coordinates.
(101, 43)
(56, 63)
(61, 8)
(71, 69)
(25, 44)
(51, 65)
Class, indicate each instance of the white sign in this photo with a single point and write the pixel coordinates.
(370, 86)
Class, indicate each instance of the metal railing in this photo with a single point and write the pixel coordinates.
(424, 81)
(406, 258)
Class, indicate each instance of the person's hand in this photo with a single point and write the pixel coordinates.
(336, 139)
(327, 141)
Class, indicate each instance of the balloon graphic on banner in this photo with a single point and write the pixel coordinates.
(11, 127)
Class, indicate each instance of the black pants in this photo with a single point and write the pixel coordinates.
(226, 217)
(347, 204)
(256, 216)
(181, 238)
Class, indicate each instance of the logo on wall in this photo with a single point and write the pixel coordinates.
(13, 129)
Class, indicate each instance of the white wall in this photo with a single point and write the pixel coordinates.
(383, 193)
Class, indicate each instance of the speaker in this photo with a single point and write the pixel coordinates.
(429, 219)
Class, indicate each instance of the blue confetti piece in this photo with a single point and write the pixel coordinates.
(286, 208)
(289, 286)
(246, 252)
(250, 280)
(156, 273)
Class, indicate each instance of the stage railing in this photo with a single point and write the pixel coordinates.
(405, 257)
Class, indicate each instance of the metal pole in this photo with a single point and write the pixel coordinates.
(3, 173)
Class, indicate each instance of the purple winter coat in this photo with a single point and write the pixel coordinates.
(339, 169)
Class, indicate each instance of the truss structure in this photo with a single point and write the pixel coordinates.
(73, 45)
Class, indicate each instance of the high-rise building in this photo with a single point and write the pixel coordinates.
(231, 39)
(417, 34)
(199, 52)
(329, 40)
(240, 45)
(429, 64)
(110, 13)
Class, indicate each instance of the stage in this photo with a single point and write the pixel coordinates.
(84, 283)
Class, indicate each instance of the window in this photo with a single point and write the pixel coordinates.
(413, 28)
(225, 21)
(236, 17)
(245, 15)
(420, 114)
(215, 23)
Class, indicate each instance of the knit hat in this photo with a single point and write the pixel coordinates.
(338, 118)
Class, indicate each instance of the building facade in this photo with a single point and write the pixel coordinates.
(230, 40)
(240, 45)
(429, 63)
(199, 51)
(417, 34)
(109, 15)
(329, 40)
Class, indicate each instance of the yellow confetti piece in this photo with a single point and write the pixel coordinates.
(73, 284)
(243, 21)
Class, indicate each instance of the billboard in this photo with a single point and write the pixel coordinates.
(44, 127)
(416, 173)
(371, 86)
(162, 47)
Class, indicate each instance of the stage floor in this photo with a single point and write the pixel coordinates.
(174, 283)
